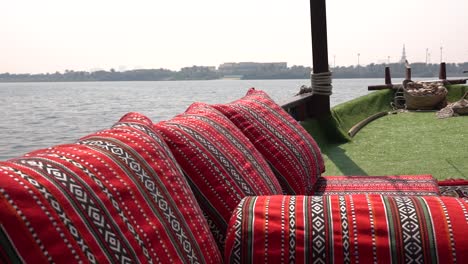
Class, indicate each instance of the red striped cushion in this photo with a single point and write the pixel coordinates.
(348, 229)
(220, 163)
(385, 185)
(290, 150)
(116, 196)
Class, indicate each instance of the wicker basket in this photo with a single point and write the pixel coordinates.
(424, 102)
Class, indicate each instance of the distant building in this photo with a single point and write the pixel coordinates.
(232, 77)
(240, 68)
(199, 69)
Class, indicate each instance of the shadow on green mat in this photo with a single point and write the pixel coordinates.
(343, 162)
(405, 143)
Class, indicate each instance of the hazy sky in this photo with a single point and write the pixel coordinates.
(54, 35)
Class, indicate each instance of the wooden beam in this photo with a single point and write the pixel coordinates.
(319, 105)
(456, 81)
(383, 87)
(296, 100)
(297, 106)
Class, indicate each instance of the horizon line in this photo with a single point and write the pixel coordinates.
(217, 67)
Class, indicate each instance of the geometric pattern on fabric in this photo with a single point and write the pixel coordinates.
(454, 188)
(348, 229)
(454, 191)
(220, 163)
(116, 196)
(292, 153)
(395, 185)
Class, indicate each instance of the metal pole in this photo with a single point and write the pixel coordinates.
(320, 104)
(441, 54)
(427, 52)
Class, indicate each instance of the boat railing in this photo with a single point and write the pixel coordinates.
(389, 85)
(296, 106)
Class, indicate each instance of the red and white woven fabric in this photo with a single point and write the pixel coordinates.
(292, 153)
(116, 196)
(402, 185)
(220, 163)
(348, 229)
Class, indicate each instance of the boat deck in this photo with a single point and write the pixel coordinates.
(404, 143)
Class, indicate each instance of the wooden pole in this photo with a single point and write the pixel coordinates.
(407, 77)
(388, 78)
(443, 71)
(408, 74)
(319, 106)
(388, 83)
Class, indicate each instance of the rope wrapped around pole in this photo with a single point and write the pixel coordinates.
(321, 83)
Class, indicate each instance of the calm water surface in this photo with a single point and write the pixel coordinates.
(39, 115)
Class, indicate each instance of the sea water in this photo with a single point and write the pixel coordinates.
(39, 115)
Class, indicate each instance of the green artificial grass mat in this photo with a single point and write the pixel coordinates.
(325, 131)
(404, 143)
(455, 92)
(350, 113)
(334, 129)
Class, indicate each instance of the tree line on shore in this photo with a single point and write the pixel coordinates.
(208, 73)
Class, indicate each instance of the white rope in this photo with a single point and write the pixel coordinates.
(321, 83)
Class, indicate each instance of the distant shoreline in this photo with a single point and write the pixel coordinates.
(219, 79)
(239, 71)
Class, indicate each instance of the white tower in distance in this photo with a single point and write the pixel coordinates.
(403, 55)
